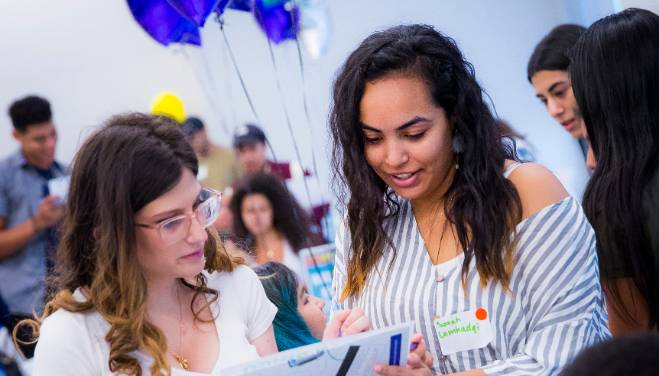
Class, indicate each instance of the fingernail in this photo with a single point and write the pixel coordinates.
(377, 368)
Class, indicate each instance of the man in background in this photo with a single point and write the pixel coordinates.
(250, 144)
(218, 167)
(28, 210)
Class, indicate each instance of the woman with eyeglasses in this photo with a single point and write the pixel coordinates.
(144, 286)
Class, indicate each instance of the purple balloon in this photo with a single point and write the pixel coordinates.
(278, 22)
(163, 23)
(195, 10)
(242, 5)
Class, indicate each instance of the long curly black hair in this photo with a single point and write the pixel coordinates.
(483, 206)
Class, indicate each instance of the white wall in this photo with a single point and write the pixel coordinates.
(91, 59)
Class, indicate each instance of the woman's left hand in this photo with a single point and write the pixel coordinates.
(347, 322)
(420, 350)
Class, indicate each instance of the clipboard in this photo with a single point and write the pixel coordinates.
(347, 356)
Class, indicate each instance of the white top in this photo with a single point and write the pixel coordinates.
(74, 343)
(295, 262)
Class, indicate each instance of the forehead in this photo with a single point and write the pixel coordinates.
(39, 129)
(251, 146)
(256, 199)
(182, 196)
(394, 100)
(544, 79)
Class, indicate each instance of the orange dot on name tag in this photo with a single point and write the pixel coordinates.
(481, 314)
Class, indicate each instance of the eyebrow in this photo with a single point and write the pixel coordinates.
(407, 124)
(551, 88)
(169, 213)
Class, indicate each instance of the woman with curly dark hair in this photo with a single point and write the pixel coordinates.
(270, 222)
(491, 259)
(615, 75)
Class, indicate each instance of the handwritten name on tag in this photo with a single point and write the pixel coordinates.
(464, 331)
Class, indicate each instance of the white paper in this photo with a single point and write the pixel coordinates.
(59, 187)
(384, 346)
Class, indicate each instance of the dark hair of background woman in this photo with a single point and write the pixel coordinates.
(288, 217)
(615, 76)
(482, 204)
(552, 51)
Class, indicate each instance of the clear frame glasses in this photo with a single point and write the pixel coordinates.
(177, 228)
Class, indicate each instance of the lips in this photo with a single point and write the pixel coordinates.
(405, 179)
(568, 124)
(194, 255)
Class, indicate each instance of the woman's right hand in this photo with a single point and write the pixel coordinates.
(346, 322)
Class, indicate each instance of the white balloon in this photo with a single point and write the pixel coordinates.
(315, 27)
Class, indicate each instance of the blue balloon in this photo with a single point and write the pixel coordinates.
(279, 19)
(164, 23)
(242, 5)
(195, 10)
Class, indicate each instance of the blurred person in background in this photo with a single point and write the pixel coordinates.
(29, 212)
(270, 223)
(547, 71)
(615, 76)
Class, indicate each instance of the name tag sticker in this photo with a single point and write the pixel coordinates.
(463, 331)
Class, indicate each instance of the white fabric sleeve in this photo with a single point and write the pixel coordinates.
(64, 347)
(259, 311)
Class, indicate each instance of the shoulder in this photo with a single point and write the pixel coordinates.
(69, 344)
(7, 167)
(537, 187)
(240, 276)
(65, 325)
(65, 331)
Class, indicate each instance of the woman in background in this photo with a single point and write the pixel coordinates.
(615, 75)
(272, 224)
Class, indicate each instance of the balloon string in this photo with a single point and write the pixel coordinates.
(324, 283)
(235, 66)
(307, 116)
(288, 120)
(209, 88)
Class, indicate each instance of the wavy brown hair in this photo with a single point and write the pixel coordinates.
(132, 160)
(481, 203)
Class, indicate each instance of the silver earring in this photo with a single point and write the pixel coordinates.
(458, 146)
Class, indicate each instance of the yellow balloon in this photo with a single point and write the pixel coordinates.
(168, 104)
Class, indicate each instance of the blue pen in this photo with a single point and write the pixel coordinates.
(298, 362)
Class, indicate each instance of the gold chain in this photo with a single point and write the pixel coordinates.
(183, 362)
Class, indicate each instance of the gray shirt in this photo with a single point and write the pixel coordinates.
(22, 275)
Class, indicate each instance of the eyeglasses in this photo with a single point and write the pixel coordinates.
(177, 228)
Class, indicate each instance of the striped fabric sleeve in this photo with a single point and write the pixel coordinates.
(339, 274)
(557, 280)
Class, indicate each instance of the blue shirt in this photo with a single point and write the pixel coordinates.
(22, 275)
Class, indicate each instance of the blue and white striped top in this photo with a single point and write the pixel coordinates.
(552, 310)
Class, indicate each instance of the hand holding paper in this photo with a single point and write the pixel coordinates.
(346, 322)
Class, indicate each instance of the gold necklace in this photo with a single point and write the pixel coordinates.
(183, 362)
